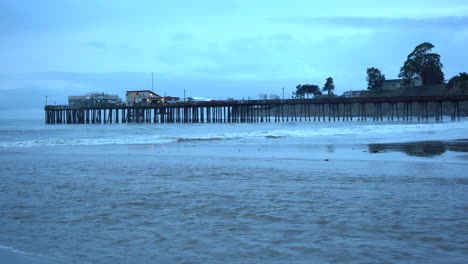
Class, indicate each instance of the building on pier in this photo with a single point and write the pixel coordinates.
(197, 99)
(94, 99)
(170, 99)
(142, 97)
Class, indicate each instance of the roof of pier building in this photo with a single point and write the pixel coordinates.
(93, 99)
(143, 93)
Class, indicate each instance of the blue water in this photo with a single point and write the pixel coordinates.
(233, 193)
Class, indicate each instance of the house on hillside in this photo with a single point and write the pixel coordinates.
(142, 97)
(352, 93)
(94, 99)
(396, 84)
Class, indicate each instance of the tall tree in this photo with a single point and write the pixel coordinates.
(375, 79)
(310, 89)
(329, 86)
(305, 90)
(299, 91)
(461, 79)
(422, 64)
(317, 92)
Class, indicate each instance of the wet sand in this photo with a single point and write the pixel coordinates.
(453, 151)
(422, 148)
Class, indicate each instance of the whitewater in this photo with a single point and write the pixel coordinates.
(36, 134)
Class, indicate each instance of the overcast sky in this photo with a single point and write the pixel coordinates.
(214, 48)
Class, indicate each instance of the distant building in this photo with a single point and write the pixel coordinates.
(170, 99)
(396, 84)
(94, 99)
(262, 97)
(274, 97)
(142, 97)
(352, 93)
(197, 99)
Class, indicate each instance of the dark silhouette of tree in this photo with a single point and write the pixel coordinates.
(306, 90)
(310, 89)
(329, 86)
(455, 80)
(375, 79)
(424, 65)
(433, 75)
(299, 91)
(317, 92)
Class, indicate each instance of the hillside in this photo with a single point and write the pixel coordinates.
(425, 90)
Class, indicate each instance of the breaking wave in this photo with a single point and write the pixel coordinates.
(354, 132)
(14, 250)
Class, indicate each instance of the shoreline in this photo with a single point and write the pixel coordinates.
(438, 151)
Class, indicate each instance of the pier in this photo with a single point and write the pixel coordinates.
(408, 108)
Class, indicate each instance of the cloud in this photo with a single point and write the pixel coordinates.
(57, 86)
(448, 23)
(27, 16)
(182, 36)
(120, 50)
(30, 16)
(98, 44)
(197, 43)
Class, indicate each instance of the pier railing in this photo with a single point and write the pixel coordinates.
(254, 111)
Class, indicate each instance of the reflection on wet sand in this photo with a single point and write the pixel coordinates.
(423, 148)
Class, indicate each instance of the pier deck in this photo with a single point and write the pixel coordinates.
(255, 111)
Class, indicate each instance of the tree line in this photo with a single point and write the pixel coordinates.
(305, 90)
(421, 66)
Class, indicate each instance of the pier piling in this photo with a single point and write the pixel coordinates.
(302, 110)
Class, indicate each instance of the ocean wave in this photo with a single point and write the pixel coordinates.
(130, 140)
(276, 132)
(14, 250)
(208, 138)
(85, 142)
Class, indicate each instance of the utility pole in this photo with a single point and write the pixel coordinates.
(184, 95)
(46, 100)
(152, 81)
(283, 94)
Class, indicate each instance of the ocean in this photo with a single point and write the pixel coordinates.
(310, 192)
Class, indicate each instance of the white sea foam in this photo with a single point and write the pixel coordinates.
(86, 142)
(346, 132)
(14, 250)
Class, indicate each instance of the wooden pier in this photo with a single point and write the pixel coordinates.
(420, 108)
